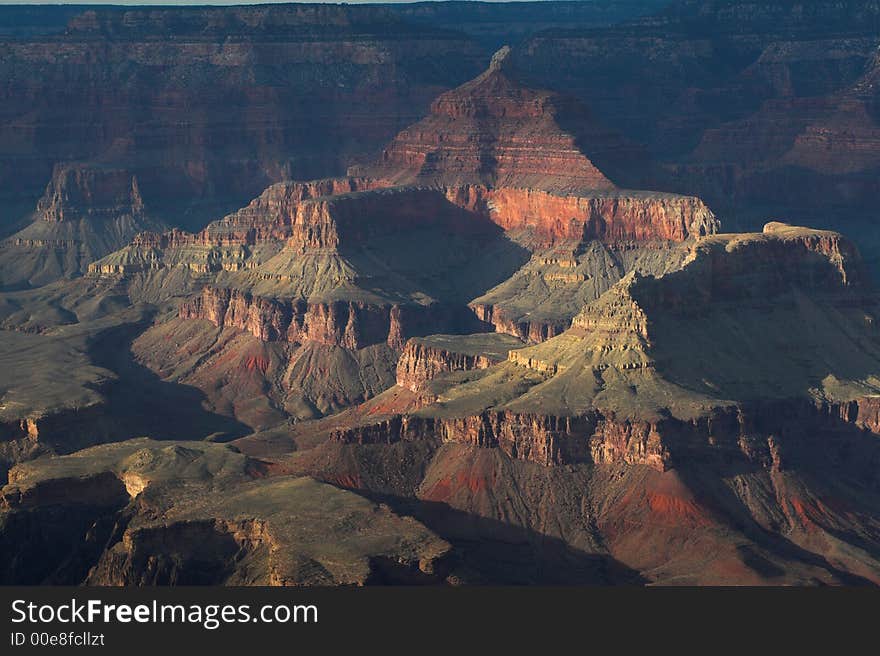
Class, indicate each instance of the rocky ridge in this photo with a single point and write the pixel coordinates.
(85, 213)
(140, 494)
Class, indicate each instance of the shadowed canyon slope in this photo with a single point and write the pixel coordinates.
(498, 349)
(727, 379)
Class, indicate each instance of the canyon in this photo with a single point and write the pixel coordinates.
(337, 296)
(720, 100)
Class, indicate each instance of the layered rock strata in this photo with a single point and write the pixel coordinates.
(598, 389)
(424, 359)
(349, 324)
(753, 433)
(85, 212)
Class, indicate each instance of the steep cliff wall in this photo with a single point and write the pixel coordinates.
(85, 212)
(532, 331)
(611, 217)
(423, 359)
(208, 106)
(350, 324)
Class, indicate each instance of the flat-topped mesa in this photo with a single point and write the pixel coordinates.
(346, 221)
(274, 213)
(498, 132)
(273, 217)
(87, 211)
(425, 358)
(77, 192)
(321, 216)
(757, 267)
(745, 268)
(839, 251)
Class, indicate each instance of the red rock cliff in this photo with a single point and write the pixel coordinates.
(610, 217)
(422, 362)
(761, 433)
(350, 324)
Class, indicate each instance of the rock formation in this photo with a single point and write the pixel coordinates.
(258, 532)
(206, 108)
(424, 359)
(619, 357)
(570, 381)
(351, 324)
(368, 261)
(85, 213)
(761, 109)
(625, 387)
(495, 132)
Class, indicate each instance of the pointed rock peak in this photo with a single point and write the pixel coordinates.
(500, 60)
(501, 75)
(498, 131)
